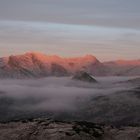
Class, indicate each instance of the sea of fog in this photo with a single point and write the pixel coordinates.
(62, 94)
(56, 93)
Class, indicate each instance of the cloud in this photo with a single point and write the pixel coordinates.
(120, 13)
(65, 99)
(68, 40)
(53, 94)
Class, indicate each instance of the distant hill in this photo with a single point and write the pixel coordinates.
(123, 67)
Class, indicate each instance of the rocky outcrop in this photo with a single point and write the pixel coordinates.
(84, 76)
(46, 129)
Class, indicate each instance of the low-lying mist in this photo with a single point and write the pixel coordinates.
(48, 94)
(55, 94)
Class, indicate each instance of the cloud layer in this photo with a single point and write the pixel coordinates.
(54, 94)
(68, 40)
(122, 13)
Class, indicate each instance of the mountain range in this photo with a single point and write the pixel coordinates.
(37, 65)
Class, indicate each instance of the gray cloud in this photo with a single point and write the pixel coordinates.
(68, 40)
(91, 12)
(105, 34)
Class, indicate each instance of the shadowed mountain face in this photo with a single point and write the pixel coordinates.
(84, 76)
(123, 67)
(33, 65)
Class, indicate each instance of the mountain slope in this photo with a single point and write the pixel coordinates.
(40, 65)
(83, 76)
(37, 65)
(123, 67)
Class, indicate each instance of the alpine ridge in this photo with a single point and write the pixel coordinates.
(40, 65)
(37, 65)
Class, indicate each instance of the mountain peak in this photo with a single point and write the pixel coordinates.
(84, 76)
(38, 64)
(89, 56)
(37, 54)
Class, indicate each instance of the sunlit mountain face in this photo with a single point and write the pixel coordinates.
(40, 65)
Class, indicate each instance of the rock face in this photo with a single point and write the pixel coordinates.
(45, 129)
(58, 70)
(84, 76)
(39, 65)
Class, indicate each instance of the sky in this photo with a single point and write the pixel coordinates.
(107, 29)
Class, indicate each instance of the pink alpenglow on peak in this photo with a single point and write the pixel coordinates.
(34, 64)
(37, 65)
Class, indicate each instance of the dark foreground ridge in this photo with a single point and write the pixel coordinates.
(46, 129)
